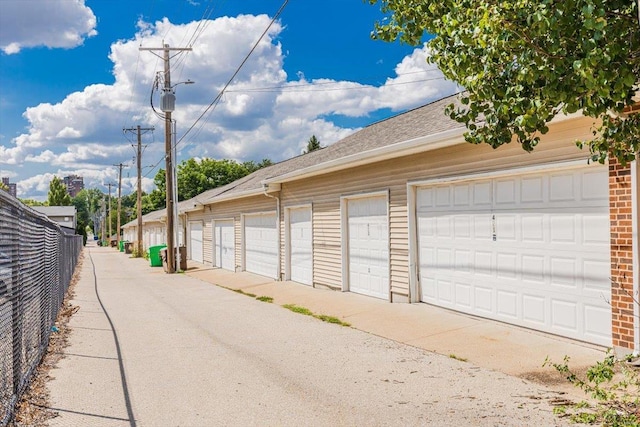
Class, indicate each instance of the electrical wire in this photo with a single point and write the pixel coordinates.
(216, 100)
(300, 88)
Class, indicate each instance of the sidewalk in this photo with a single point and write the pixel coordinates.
(485, 343)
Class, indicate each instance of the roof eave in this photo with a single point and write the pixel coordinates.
(233, 196)
(404, 148)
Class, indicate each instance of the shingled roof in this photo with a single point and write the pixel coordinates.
(418, 122)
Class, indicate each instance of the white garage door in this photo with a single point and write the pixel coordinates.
(224, 245)
(195, 241)
(531, 249)
(300, 245)
(368, 245)
(261, 244)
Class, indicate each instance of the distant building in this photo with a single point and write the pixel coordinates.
(12, 186)
(74, 184)
(66, 216)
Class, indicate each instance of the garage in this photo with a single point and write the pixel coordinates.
(196, 241)
(368, 245)
(261, 244)
(531, 249)
(300, 246)
(224, 245)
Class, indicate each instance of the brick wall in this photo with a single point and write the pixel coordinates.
(620, 212)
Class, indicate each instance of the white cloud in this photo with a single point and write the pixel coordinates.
(37, 186)
(261, 116)
(49, 23)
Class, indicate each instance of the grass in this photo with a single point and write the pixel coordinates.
(461, 359)
(240, 291)
(294, 308)
(323, 317)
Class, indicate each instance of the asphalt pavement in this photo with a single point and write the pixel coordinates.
(152, 349)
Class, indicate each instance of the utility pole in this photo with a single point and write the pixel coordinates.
(109, 212)
(168, 105)
(102, 217)
(139, 130)
(119, 166)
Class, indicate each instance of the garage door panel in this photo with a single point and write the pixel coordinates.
(534, 308)
(300, 246)
(597, 321)
(261, 244)
(596, 277)
(196, 241)
(463, 295)
(595, 185)
(368, 246)
(507, 304)
(224, 245)
(593, 235)
(535, 253)
(564, 315)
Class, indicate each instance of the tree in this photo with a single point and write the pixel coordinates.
(312, 145)
(4, 186)
(253, 166)
(58, 195)
(33, 202)
(195, 177)
(525, 62)
(95, 199)
(82, 214)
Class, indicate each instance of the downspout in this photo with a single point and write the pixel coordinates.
(279, 266)
(635, 233)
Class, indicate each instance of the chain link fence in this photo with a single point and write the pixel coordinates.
(37, 260)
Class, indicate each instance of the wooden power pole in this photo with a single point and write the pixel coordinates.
(119, 166)
(109, 213)
(139, 130)
(168, 105)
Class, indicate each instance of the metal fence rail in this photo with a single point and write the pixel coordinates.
(37, 260)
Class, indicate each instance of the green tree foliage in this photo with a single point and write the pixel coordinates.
(58, 195)
(94, 199)
(81, 203)
(157, 198)
(252, 166)
(312, 145)
(195, 176)
(88, 203)
(33, 202)
(524, 62)
(4, 186)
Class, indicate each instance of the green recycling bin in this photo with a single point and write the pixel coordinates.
(121, 246)
(154, 255)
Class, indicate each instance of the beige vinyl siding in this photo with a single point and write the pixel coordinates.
(393, 175)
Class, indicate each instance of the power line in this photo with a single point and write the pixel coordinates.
(246, 58)
(300, 87)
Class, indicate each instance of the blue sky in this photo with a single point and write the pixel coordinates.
(72, 77)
